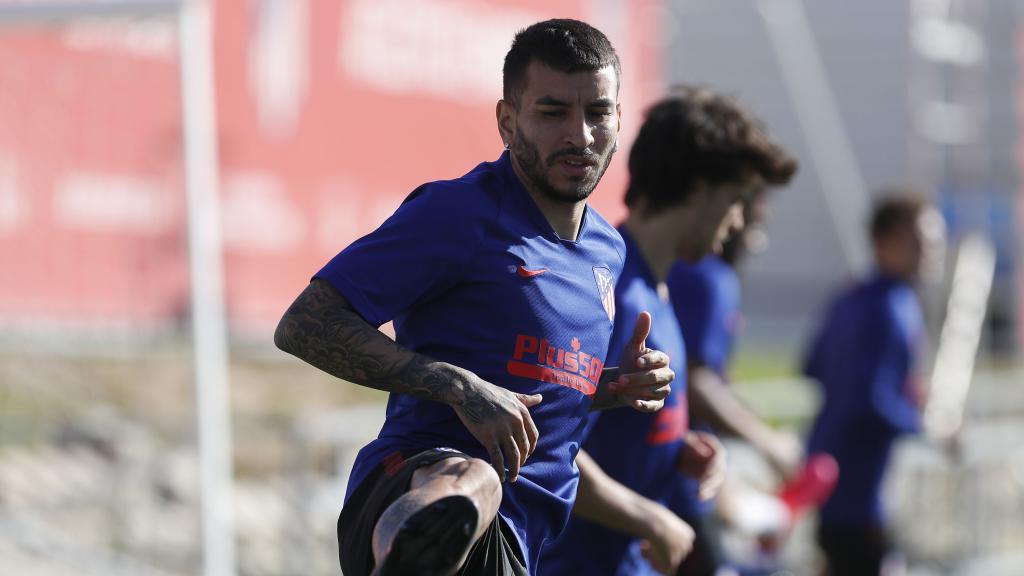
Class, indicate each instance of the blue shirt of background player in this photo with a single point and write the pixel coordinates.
(706, 299)
(864, 356)
(450, 268)
(638, 449)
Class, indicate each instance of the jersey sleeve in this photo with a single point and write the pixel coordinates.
(888, 358)
(421, 250)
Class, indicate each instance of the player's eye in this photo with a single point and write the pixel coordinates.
(552, 112)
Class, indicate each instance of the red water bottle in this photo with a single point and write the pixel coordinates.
(812, 486)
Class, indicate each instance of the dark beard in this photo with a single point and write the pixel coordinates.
(530, 163)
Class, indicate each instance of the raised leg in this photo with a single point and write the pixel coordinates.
(431, 528)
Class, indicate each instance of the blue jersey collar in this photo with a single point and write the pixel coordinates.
(504, 163)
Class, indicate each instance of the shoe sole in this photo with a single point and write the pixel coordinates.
(432, 541)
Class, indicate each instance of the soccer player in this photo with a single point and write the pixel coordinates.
(500, 285)
(706, 300)
(697, 157)
(865, 357)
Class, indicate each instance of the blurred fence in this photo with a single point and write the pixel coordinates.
(960, 510)
(99, 462)
(98, 473)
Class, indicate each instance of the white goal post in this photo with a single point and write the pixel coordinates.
(209, 334)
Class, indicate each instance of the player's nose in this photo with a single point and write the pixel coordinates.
(578, 132)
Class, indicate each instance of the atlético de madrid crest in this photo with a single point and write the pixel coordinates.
(606, 288)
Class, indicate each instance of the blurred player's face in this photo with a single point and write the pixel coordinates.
(914, 252)
(719, 213)
(562, 134)
(755, 214)
(752, 238)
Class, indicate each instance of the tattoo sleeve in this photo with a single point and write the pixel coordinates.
(323, 329)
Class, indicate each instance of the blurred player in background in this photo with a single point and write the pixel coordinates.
(500, 284)
(707, 302)
(865, 356)
(697, 158)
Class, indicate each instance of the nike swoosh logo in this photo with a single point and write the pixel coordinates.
(529, 273)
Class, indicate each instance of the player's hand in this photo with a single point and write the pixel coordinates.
(670, 541)
(946, 435)
(500, 420)
(703, 458)
(785, 453)
(644, 376)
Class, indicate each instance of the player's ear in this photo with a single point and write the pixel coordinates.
(505, 114)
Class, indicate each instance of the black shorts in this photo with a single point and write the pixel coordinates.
(496, 552)
(854, 551)
(706, 557)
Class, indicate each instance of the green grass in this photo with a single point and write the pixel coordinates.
(760, 364)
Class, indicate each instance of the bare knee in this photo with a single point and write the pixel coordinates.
(466, 474)
(469, 476)
(479, 476)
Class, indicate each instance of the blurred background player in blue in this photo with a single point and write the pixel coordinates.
(865, 356)
(707, 299)
(697, 157)
(500, 284)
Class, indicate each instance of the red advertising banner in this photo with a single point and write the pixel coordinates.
(329, 114)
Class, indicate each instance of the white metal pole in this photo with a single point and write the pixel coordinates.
(961, 334)
(207, 277)
(821, 123)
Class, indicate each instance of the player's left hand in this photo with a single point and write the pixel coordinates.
(703, 458)
(644, 376)
(670, 541)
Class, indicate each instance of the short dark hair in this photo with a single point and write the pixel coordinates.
(897, 209)
(698, 136)
(564, 45)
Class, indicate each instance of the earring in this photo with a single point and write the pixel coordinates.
(506, 145)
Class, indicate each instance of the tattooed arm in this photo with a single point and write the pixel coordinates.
(322, 328)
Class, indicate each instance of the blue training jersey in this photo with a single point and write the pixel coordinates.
(864, 356)
(472, 274)
(635, 448)
(706, 298)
